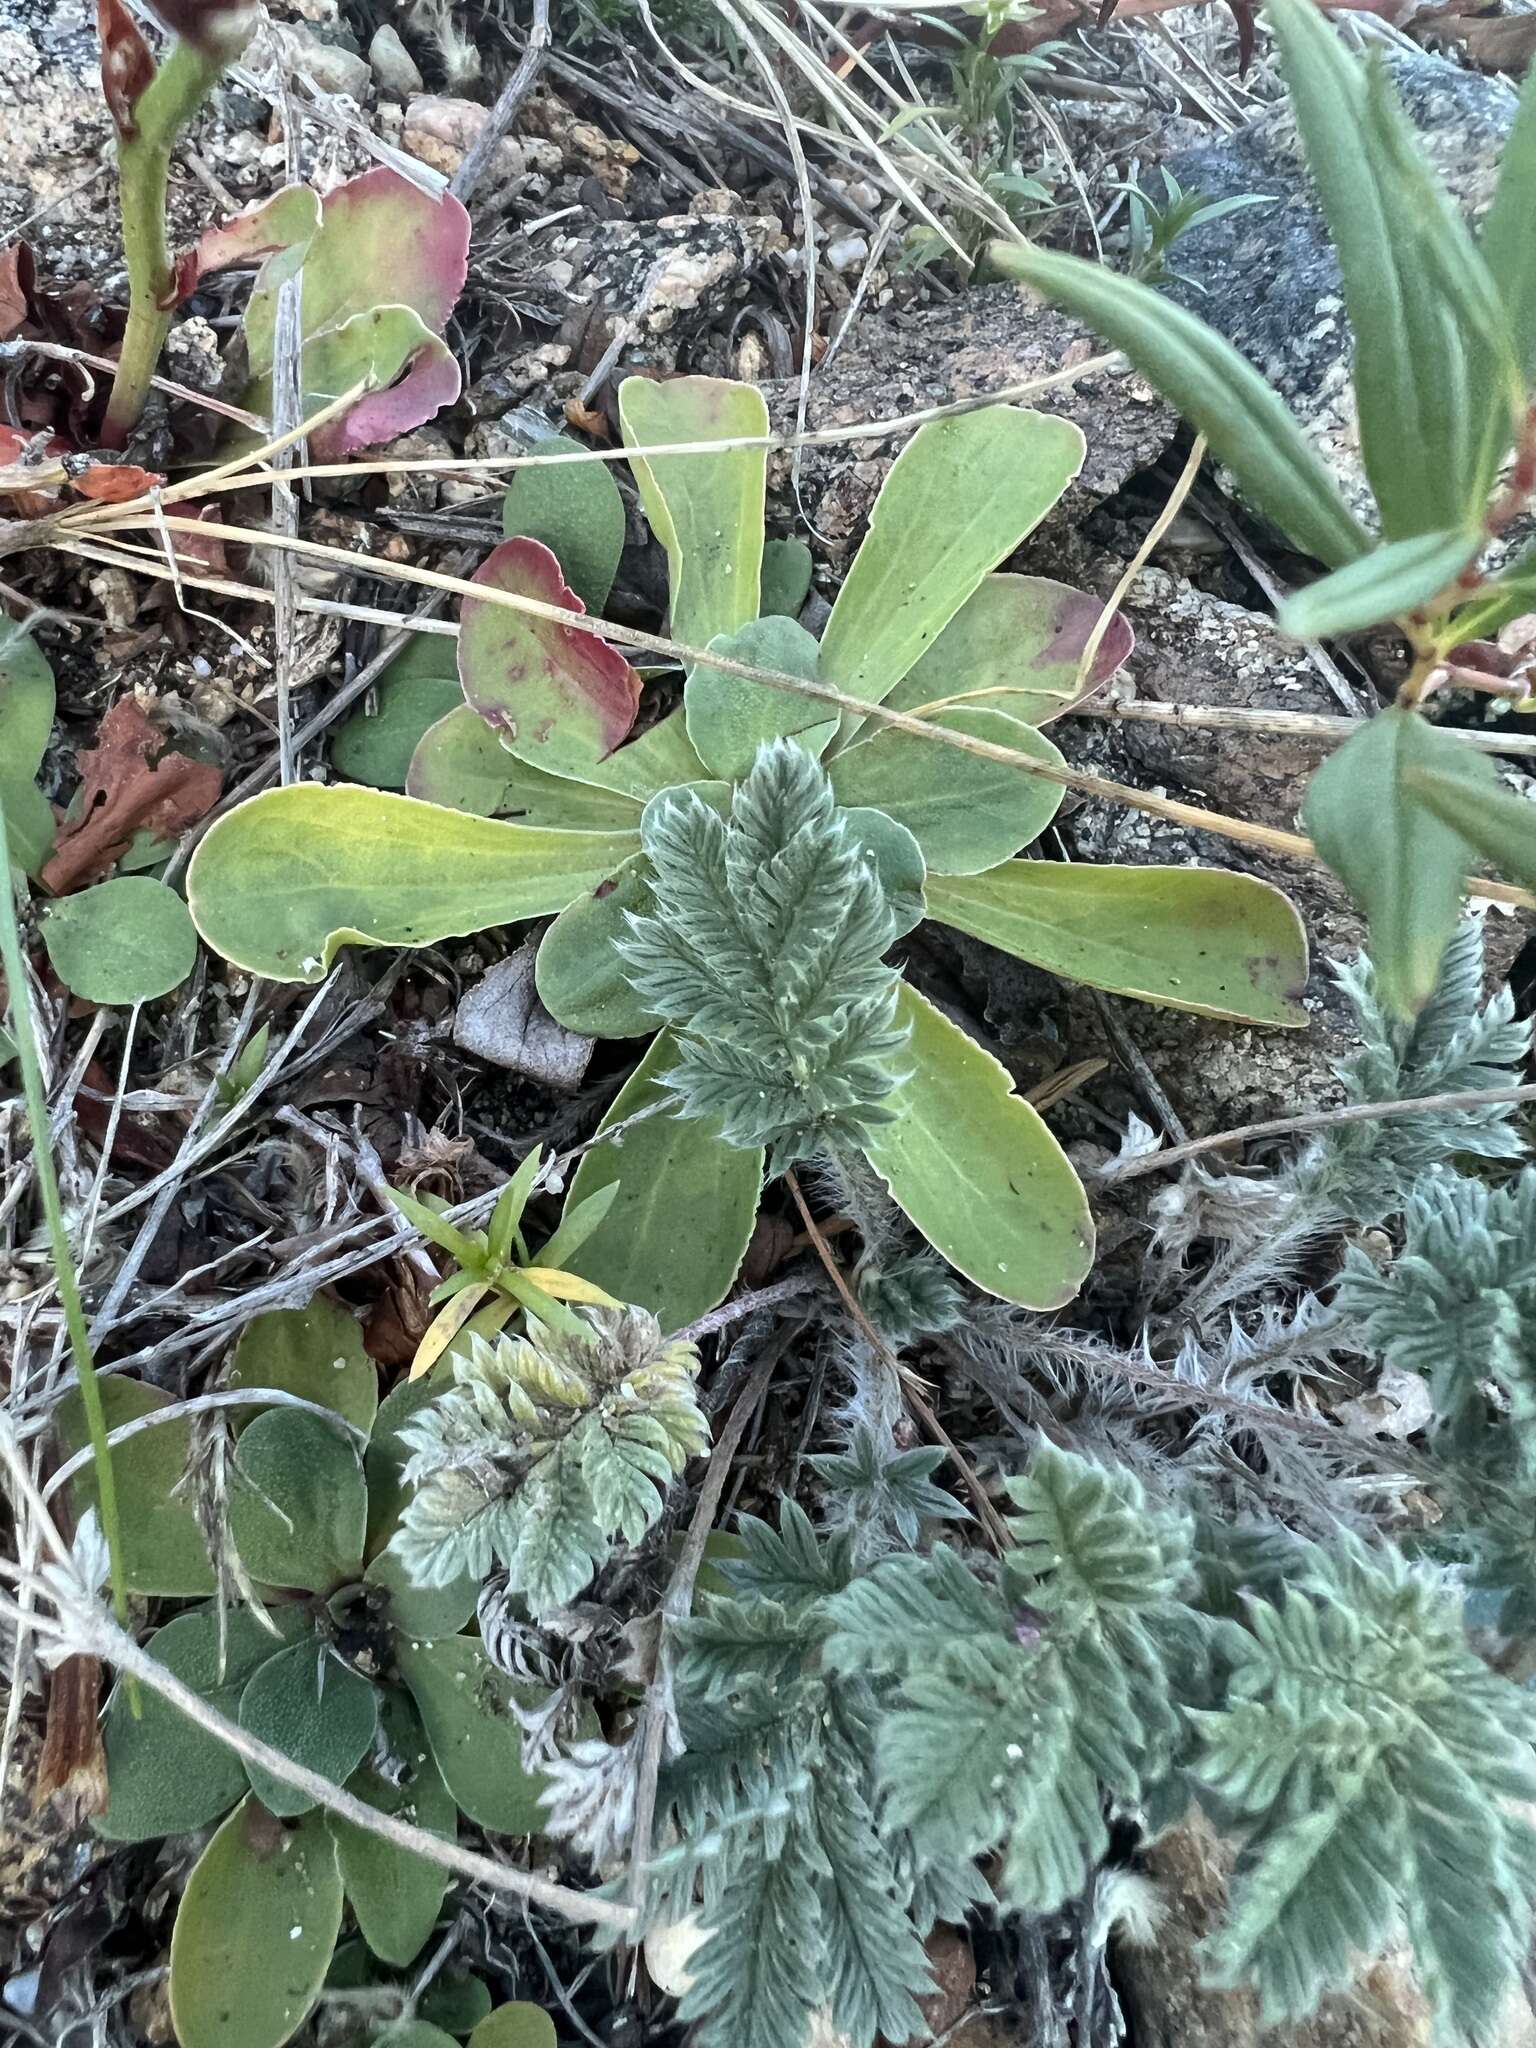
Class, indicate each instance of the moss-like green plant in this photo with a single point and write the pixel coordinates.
(551, 734)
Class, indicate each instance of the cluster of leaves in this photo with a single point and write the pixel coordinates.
(855, 1740)
(1444, 325)
(545, 1449)
(332, 1656)
(549, 730)
(495, 1275)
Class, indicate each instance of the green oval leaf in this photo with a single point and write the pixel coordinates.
(959, 498)
(729, 717)
(459, 762)
(975, 1168)
(298, 1507)
(1386, 584)
(579, 975)
(26, 724)
(420, 686)
(1020, 640)
(575, 509)
(394, 1893)
(560, 698)
(124, 941)
(705, 509)
(518, 2025)
(1219, 392)
(1184, 938)
(313, 1708)
(163, 1547)
(315, 1352)
(1402, 863)
(166, 1775)
(965, 812)
(677, 1233)
(786, 580)
(26, 706)
(456, 2001)
(898, 861)
(422, 1610)
(255, 1931)
(286, 879)
(462, 1699)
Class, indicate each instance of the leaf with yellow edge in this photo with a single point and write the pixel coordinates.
(444, 1327)
(288, 878)
(706, 509)
(567, 1286)
(975, 1168)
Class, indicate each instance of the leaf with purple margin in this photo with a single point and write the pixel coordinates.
(380, 239)
(559, 698)
(1019, 639)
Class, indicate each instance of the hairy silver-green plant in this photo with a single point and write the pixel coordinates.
(764, 951)
(1458, 1303)
(544, 1450)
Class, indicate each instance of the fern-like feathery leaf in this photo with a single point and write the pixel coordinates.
(1455, 1045)
(544, 1450)
(1379, 1759)
(764, 950)
(1458, 1304)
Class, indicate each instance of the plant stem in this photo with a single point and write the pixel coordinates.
(23, 1030)
(166, 104)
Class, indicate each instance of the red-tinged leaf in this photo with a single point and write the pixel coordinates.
(126, 64)
(131, 780)
(430, 381)
(561, 698)
(15, 289)
(114, 483)
(289, 220)
(380, 238)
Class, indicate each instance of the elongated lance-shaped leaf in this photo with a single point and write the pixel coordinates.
(1400, 861)
(1194, 939)
(1508, 246)
(1246, 422)
(977, 1171)
(1497, 824)
(677, 1232)
(706, 509)
(288, 878)
(1388, 583)
(959, 499)
(558, 697)
(1432, 385)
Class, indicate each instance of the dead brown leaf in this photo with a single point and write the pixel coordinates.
(15, 289)
(131, 780)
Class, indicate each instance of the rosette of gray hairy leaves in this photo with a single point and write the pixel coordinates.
(764, 952)
(544, 1450)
